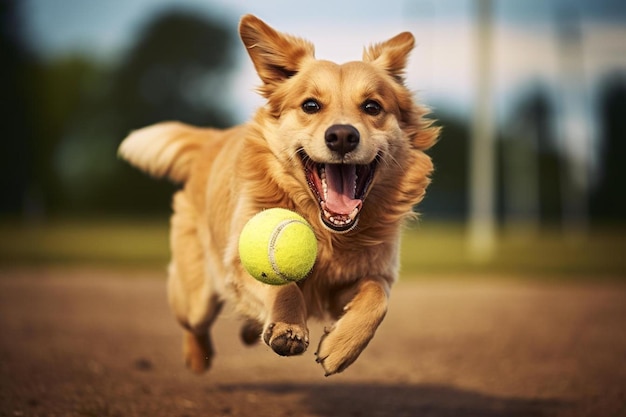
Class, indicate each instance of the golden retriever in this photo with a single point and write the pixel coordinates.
(340, 144)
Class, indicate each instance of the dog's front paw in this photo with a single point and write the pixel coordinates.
(286, 339)
(338, 349)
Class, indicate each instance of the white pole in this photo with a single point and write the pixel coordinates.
(482, 146)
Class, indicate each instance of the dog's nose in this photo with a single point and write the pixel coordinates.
(342, 138)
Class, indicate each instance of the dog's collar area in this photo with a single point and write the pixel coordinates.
(340, 190)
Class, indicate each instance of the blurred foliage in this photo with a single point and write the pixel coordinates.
(15, 112)
(530, 166)
(176, 70)
(609, 200)
(447, 196)
(65, 117)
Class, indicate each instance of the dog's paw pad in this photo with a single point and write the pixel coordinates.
(286, 340)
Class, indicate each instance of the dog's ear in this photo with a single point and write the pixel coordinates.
(276, 56)
(391, 55)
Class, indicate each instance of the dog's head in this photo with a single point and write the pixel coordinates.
(342, 125)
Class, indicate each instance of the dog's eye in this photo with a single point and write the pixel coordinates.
(371, 107)
(311, 106)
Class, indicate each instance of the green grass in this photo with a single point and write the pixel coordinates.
(102, 242)
(442, 248)
(429, 249)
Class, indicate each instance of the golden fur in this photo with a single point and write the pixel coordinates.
(230, 175)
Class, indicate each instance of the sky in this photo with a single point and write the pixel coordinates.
(525, 48)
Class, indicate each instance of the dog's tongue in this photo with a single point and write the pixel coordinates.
(341, 180)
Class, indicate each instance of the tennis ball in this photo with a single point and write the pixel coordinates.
(277, 246)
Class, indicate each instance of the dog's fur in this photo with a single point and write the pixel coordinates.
(317, 112)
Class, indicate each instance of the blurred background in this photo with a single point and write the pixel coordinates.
(529, 177)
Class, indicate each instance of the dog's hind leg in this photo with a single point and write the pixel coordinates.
(198, 349)
(251, 332)
(191, 294)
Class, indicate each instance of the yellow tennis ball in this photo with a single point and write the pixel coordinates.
(277, 246)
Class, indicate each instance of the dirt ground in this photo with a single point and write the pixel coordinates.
(93, 342)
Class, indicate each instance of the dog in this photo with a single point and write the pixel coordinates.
(342, 145)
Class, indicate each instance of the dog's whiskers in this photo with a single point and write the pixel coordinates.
(388, 160)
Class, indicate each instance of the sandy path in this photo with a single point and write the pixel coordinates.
(82, 342)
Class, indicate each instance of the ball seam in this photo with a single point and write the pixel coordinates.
(272, 244)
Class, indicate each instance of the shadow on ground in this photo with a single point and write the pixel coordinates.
(372, 400)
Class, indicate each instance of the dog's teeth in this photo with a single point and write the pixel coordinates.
(322, 172)
(340, 220)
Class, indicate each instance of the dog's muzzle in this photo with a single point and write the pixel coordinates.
(340, 188)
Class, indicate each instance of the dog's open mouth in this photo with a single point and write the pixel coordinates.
(340, 190)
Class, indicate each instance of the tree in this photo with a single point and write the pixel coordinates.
(175, 71)
(17, 142)
(447, 196)
(609, 200)
(530, 162)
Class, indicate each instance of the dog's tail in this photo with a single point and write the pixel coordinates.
(164, 150)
